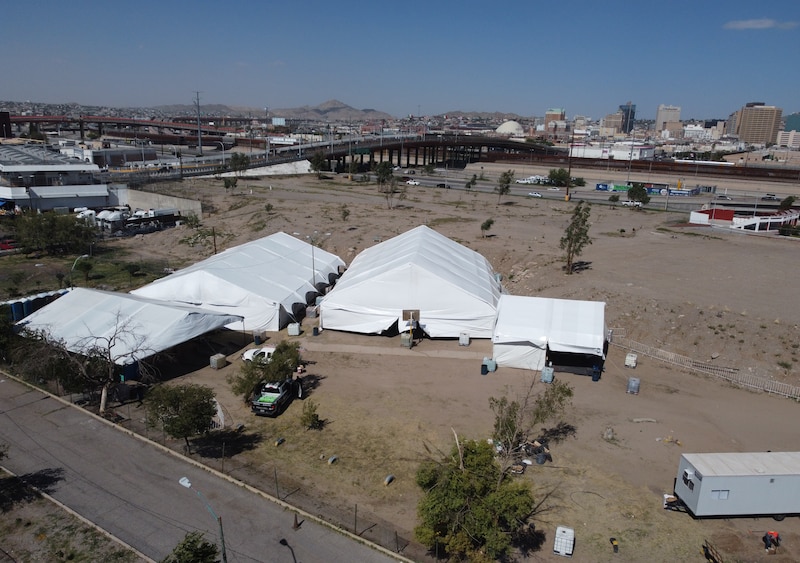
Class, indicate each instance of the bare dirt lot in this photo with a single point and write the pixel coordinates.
(699, 292)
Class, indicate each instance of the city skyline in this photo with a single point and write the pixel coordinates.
(708, 58)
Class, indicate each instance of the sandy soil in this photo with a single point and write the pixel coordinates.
(695, 291)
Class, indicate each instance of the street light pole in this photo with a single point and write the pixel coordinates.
(73, 268)
(184, 482)
(223, 153)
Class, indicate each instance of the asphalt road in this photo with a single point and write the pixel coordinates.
(130, 488)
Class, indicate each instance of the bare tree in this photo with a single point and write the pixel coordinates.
(96, 361)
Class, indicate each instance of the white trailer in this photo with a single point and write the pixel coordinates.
(739, 484)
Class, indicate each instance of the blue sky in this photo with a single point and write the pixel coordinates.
(709, 57)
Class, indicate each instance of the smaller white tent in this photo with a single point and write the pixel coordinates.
(453, 287)
(261, 281)
(527, 327)
(135, 326)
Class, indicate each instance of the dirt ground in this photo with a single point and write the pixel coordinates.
(695, 291)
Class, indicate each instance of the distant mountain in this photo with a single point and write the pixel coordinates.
(332, 110)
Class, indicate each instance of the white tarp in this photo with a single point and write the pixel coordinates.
(88, 318)
(453, 287)
(528, 326)
(261, 281)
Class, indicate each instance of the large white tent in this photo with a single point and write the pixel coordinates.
(527, 327)
(454, 288)
(135, 327)
(262, 281)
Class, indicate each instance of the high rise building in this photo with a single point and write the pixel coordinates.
(666, 114)
(758, 123)
(628, 116)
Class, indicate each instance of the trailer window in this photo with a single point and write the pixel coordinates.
(720, 494)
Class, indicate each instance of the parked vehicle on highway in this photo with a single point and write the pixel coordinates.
(270, 399)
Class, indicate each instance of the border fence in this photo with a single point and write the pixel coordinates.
(618, 338)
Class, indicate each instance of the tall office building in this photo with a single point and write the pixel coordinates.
(758, 123)
(666, 114)
(628, 116)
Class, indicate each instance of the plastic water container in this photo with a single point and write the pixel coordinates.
(463, 339)
(633, 385)
(491, 365)
(294, 329)
(547, 374)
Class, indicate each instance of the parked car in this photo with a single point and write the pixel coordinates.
(526, 181)
(534, 194)
(270, 399)
(259, 354)
(443, 185)
(412, 183)
(8, 244)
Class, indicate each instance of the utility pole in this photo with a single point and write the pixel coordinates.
(199, 131)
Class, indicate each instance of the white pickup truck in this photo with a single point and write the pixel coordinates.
(631, 203)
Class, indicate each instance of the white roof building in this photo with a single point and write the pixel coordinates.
(266, 281)
(453, 287)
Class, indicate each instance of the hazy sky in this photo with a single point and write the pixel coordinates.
(708, 56)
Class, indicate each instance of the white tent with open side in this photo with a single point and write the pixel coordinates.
(135, 327)
(528, 327)
(454, 288)
(264, 281)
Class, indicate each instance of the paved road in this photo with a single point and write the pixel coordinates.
(130, 488)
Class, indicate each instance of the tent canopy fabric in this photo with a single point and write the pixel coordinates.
(260, 280)
(452, 286)
(87, 318)
(527, 327)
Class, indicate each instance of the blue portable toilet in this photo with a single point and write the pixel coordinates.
(17, 313)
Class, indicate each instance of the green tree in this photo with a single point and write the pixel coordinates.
(637, 192)
(787, 203)
(310, 419)
(193, 549)
(485, 226)
(280, 366)
(345, 212)
(576, 237)
(230, 183)
(85, 267)
(559, 177)
(318, 163)
(239, 162)
(183, 411)
(54, 234)
(614, 199)
(471, 183)
(504, 184)
(470, 508)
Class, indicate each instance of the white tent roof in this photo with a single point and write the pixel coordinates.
(259, 280)
(88, 318)
(453, 287)
(527, 326)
